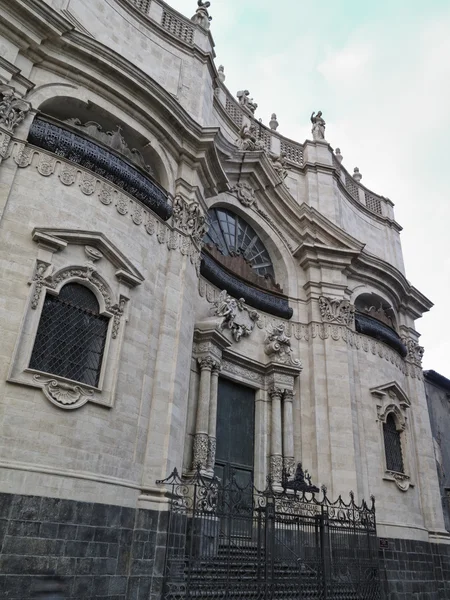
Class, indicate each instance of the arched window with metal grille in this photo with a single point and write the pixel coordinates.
(393, 445)
(71, 336)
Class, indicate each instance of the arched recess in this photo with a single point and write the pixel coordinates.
(263, 282)
(77, 113)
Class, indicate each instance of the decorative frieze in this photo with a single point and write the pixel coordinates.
(108, 194)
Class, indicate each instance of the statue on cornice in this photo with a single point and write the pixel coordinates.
(318, 126)
(201, 17)
(248, 138)
(246, 102)
(279, 164)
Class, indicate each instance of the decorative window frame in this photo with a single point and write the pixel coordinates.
(391, 399)
(90, 259)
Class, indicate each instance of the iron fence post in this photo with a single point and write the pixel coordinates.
(323, 551)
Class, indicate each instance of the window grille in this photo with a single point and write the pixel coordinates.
(373, 204)
(293, 152)
(351, 187)
(234, 111)
(230, 234)
(177, 27)
(71, 336)
(393, 445)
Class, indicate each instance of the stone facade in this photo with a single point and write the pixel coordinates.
(327, 339)
(437, 389)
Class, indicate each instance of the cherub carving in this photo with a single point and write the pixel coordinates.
(245, 101)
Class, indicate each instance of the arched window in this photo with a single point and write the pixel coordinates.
(232, 236)
(71, 336)
(393, 445)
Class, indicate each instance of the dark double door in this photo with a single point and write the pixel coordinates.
(235, 451)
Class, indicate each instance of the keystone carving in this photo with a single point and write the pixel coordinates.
(244, 193)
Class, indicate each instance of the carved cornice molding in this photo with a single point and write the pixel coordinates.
(108, 194)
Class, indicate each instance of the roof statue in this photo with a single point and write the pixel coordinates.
(318, 126)
(246, 102)
(279, 164)
(201, 17)
(273, 123)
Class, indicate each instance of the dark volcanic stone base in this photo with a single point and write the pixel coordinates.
(100, 551)
(412, 570)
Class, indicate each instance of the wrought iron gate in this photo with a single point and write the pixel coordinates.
(225, 541)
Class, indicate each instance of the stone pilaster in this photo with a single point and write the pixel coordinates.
(288, 432)
(213, 416)
(276, 456)
(200, 454)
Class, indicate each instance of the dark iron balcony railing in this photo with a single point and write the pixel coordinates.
(61, 140)
(378, 330)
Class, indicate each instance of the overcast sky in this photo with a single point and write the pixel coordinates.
(380, 72)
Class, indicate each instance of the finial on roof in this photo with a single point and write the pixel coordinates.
(357, 175)
(273, 123)
(338, 155)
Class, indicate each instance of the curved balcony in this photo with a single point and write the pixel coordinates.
(62, 140)
(272, 303)
(378, 330)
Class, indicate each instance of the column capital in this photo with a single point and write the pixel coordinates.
(206, 363)
(288, 395)
(275, 393)
(217, 367)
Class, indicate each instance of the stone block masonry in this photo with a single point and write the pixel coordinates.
(100, 551)
(415, 570)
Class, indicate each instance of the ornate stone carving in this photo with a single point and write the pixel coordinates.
(244, 193)
(402, 481)
(280, 165)
(112, 139)
(236, 316)
(278, 345)
(13, 108)
(42, 271)
(289, 466)
(118, 310)
(92, 253)
(338, 155)
(275, 392)
(246, 102)
(200, 454)
(64, 395)
(202, 17)
(301, 481)
(4, 144)
(276, 469)
(337, 310)
(248, 139)
(415, 351)
(318, 126)
(212, 444)
(188, 218)
(273, 123)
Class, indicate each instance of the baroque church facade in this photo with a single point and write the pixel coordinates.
(184, 287)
